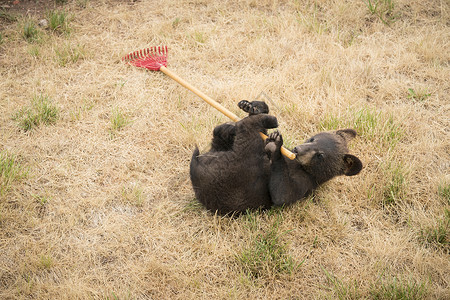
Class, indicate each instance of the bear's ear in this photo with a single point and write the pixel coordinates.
(348, 134)
(352, 165)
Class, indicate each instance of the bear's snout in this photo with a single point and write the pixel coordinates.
(302, 149)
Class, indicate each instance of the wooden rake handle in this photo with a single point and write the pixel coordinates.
(216, 105)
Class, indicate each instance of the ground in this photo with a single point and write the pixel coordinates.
(95, 197)
(27, 7)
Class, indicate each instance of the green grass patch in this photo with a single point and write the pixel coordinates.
(133, 195)
(82, 3)
(330, 122)
(118, 120)
(46, 262)
(383, 9)
(199, 37)
(251, 218)
(58, 22)
(176, 22)
(312, 22)
(34, 51)
(267, 254)
(398, 289)
(419, 95)
(113, 296)
(438, 235)
(391, 132)
(365, 122)
(30, 32)
(69, 54)
(340, 289)
(444, 192)
(79, 111)
(193, 205)
(395, 184)
(10, 171)
(40, 111)
(375, 126)
(8, 17)
(42, 200)
(369, 124)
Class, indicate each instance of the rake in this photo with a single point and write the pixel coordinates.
(155, 59)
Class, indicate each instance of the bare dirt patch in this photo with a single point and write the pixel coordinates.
(26, 7)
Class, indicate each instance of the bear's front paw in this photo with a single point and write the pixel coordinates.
(273, 144)
(275, 137)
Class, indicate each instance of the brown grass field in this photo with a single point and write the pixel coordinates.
(95, 196)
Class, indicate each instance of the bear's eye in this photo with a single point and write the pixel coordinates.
(319, 155)
(310, 140)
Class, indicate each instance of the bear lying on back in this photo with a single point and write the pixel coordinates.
(242, 171)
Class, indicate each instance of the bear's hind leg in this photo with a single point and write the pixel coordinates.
(254, 107)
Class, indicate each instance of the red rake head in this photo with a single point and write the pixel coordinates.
(151, 58)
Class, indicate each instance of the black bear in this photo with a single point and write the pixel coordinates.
(242, 171)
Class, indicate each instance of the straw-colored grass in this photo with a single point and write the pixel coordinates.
(88, 214)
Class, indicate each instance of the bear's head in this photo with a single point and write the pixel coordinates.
(325, 155)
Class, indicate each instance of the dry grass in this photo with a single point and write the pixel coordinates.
(92, 208)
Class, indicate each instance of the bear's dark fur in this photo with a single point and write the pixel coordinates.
(241, 171)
